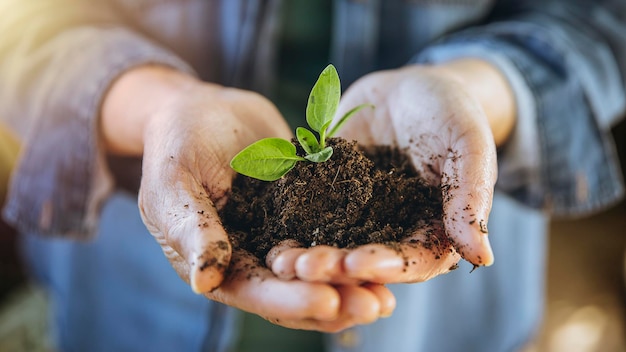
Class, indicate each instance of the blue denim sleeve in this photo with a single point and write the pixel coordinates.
(55, 73)
(569, 91)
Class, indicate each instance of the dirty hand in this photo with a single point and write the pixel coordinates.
(189, 133)
(439, 116)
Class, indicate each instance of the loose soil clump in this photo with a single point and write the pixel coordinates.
(358, 196)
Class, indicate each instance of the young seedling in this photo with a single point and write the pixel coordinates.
(270, 158)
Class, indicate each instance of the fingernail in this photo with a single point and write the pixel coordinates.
(204, 280)
(386, 315)
(487, 259)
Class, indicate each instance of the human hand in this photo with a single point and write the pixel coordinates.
(186, 177)
(188, 142)
(445, 128)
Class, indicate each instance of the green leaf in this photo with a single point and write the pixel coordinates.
(307, 140)
(345, 118)
(267, 159)
(320, 156)
(324, 99)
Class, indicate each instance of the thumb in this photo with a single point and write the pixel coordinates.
(206, 247)
(467, 182)
(185, 219)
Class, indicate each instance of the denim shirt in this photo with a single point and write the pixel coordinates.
(564, 59)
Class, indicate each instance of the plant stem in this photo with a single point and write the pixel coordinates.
(323, 138)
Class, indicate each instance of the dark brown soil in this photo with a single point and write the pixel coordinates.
(356, 197)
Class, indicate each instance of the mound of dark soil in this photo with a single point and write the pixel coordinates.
(356, 197)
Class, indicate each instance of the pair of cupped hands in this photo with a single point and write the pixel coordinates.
(189, 139)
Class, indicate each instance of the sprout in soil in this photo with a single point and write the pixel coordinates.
(270, 158)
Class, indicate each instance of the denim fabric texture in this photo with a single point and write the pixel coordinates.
(137, 302)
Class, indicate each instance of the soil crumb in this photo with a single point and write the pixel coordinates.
(359, 196)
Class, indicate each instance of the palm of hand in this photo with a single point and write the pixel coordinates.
(428, 113)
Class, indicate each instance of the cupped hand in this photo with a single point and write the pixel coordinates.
(186, 178)
(298, 304)
(430, 113)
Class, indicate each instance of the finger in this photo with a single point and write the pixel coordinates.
(468, 179)
(281, 259)
(412, 263)
(323, 264)
(203, 242)
(374, 263)
(191, 226)
(359, 305)
(385, 297)
(252, 287)
(417, 259)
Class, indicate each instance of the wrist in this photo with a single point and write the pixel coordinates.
(491, 89)
(133, 100)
